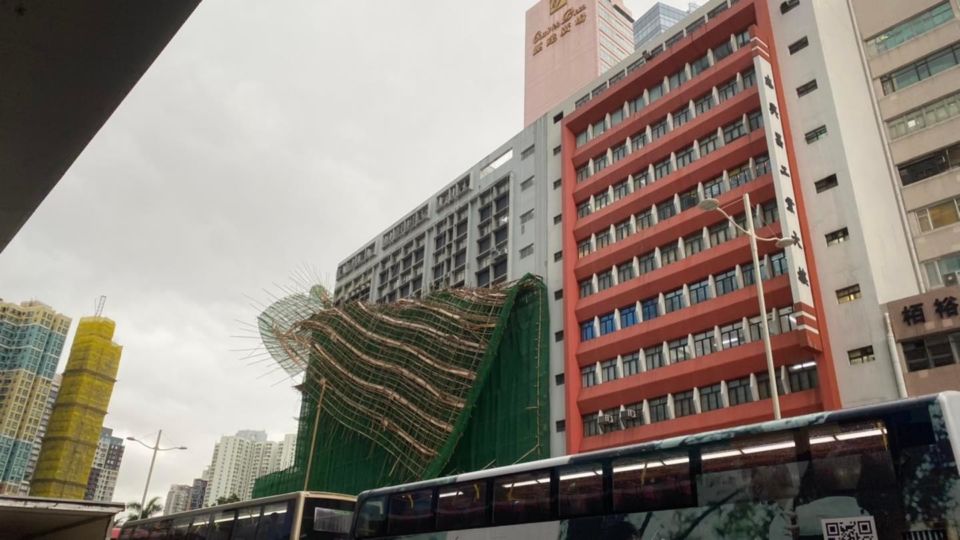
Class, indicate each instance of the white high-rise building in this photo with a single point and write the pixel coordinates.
(238, 460)
(178, 499)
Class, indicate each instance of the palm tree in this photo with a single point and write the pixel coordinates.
(136, 512)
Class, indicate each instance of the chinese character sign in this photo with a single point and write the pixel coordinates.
(783, 183)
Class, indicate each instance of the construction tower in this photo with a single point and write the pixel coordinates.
(74, 429)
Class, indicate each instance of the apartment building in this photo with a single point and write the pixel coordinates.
(238, 460)
(106, 467)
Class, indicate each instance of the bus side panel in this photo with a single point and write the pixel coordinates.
(529, 531)
(950, 405)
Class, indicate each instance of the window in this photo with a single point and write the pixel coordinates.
(637, 105)
(584, 209)
(798, 45)
(742, 38)
(727, 90)
(929, 115)
(749, 78)
(591, 425)
(939, 269)
(932, 351)
(410, 512)
(600, 163)
(616, 117)
(683, 404)
(603, 239)
(739, 176)
(685, 157)
(921, 69)
(693, 244)
(769, 213)
(673, 301)
(778, 263)
(558, 182)
(681, 117)
(557, 149)
(586, 288)
(581, 490)
(605, 280)
(655, 92)
(699, 291)
(678, 79)
(628, 316)
(588, 376)
(522, 497)
(761, 165)
(558, 336)
(738, 391)
(678, 351)
(558, 378)
(703, 104)
(654, 357)
(644, 219)
(911, 28)
(763, 385)
(582, 138)
(733, 132)
(848, 294)
(837, 237)
(584, 248)
(929, 165)
(463, 505)
(939, 215)
(650, 309)
(608, 370)
(666, 210)
(587, 331)
(557, 219)
(826, 183)
(526, 252)
(599, 128)
(622, 230)
(731, 335)
(669, 254)
(561, 427)
(711, 398)
(662, 169)
(625, 272)
(704, 344)
(631, 364)
(863, 355)
(719, 234)
(815, 135)
(648, 263)
(526, 184)
(639, 487)
(802, 376)
(713, 188)
(708, 145)
(607, 324)
(755, 120)
(722, 51)
(658, 409)
(787, 5)
(638, 140)
(619, 152)
(726, 282)
(583, 173)
(806, 88)
(700, 65)
(659, 129)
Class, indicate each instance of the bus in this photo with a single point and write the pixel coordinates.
(304, 515)
(886, 472)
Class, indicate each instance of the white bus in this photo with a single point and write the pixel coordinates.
(878, 472)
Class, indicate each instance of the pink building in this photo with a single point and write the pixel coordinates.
(568, 44)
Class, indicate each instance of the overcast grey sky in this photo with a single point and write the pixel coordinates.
(267, 137)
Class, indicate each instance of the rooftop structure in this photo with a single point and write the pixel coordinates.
(660, 18)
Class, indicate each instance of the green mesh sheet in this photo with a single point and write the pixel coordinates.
(419, 389)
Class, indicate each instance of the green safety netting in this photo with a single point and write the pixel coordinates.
(394, 393)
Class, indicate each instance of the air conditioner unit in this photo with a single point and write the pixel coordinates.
(497, 252)
(628, 413)
(950, 279)
(607, 419)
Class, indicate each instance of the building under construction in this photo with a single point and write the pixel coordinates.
(416, 389)
(74, 429)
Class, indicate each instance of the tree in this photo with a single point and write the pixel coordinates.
(227, 500)
(134, 511)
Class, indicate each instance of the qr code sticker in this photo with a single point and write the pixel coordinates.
(854, 528)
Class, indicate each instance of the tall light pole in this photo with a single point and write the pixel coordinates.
(713, 204)
(156, 448)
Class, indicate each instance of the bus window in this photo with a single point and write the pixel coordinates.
(142, 531)
(276, 522)
(850, 458)
(161, 530)
(326, 518)
(372, 517)
(755, 468)
(654, 482)
(521, 498)
(411, 512)
(245, 527)
(198, 528)
(126, 533)
(581, 490)
(222, 525)
(462, 506)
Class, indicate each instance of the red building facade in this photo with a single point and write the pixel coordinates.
(661, 315)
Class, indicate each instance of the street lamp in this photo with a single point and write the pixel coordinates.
(710, 205)
(156, 448)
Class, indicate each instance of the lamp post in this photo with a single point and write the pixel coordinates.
(156, 448)
(713, 204)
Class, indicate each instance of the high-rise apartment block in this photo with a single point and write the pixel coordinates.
(178, 499)
(106, 467)
(569, 43)
(73, 433)
(660, 18)
(198, 491)
(240, 459)
(835, 120)
(44, 421)
(31, 340)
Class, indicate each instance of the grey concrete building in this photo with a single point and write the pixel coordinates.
(655, 21)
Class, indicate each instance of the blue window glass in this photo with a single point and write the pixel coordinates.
(650, 309)
(586, 331)
(628, 316)
(607, 324)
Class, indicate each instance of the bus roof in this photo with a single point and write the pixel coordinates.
(680, 441)
(244, 504)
